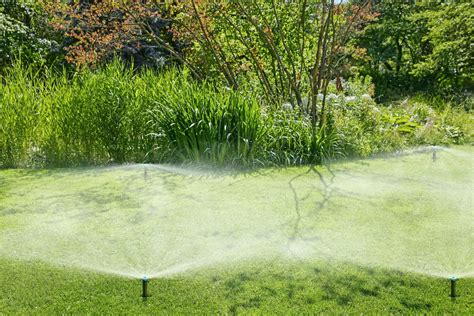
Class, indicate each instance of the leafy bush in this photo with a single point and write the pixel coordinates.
(95, 32)
(418, 46)
(21, 34)
(290, 139)
(365, 128)
(449, 61)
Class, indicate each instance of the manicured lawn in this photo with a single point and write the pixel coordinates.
(379, 235)
(264, 287)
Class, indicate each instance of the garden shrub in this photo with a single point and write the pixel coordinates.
(113, 115)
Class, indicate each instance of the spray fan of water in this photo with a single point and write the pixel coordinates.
(408, 212)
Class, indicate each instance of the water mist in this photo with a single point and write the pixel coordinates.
(399, 212)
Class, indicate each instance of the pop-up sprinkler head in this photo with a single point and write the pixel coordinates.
(453, 280)
(434, 155)
(145, 281)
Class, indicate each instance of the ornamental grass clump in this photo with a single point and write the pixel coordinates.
(203, 124)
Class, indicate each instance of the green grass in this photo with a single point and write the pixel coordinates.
(365, 236)
(263, 287)
(113, 115)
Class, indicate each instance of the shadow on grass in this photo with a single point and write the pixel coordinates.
(247, 292)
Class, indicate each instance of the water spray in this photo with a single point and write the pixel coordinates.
(453, 281)
(145, 281)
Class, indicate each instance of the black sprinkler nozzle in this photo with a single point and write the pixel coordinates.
(453, 286)
(145, 281)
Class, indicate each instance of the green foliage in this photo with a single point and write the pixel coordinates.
(90, 118)
(290, 139)
(113, 115)
(96, 118)
(197, 123)
(450, 56)
(22, 34)
(420, 124)
(49, 118)
(18, 114)
(419, 46)
(392, 44)
(287, 50)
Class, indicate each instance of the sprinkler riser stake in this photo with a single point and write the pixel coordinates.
(145, 287)
(453, 281)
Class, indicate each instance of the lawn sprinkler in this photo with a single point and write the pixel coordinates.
(453, 281)
(434, 155)
(145, 281)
